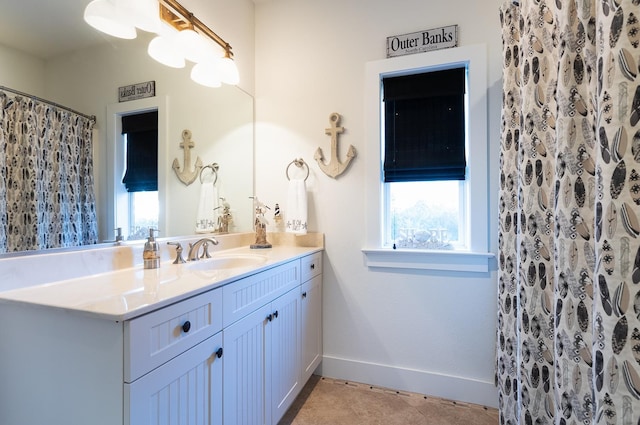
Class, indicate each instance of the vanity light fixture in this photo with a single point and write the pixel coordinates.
(180, 35)
(165, 48)
(108, 16)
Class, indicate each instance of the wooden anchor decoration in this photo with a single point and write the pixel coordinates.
(334, 168)
(187, 175)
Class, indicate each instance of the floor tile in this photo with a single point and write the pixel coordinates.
(326, 401)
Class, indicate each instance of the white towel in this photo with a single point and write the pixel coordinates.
(297, 207)
(208, 211)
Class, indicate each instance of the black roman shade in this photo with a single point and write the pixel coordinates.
(425, 126)
(141, 174)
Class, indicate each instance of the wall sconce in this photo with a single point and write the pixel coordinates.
(181, 36)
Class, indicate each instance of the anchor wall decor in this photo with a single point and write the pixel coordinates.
(187, 175)
(334, 168)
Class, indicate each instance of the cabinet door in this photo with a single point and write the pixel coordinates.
(311, 326)
(244, 369)
(185, 390)
(283, 353)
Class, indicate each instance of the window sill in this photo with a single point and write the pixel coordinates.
(456, 261)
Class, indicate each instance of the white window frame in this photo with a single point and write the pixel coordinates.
(117, 196)
(476, 258)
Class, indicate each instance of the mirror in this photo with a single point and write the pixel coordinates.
(86, 74)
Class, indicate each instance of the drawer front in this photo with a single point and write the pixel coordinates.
(155, 338)
(311, 266)
(246, 295)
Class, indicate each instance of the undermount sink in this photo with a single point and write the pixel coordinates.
(231, 261)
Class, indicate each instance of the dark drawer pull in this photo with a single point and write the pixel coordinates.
(186, 327)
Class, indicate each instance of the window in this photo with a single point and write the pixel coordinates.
(140, 137)
(143, 213)
(424, 165)
(425, 215)
(117, 200)
(386, 200)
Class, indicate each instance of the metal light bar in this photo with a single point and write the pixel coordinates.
(179, 17)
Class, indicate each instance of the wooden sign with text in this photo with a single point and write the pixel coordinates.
(137, 91)
(422, 41)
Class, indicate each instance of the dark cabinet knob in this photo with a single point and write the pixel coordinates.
(313, 266)
(269, 317)
(304, 295)
(219, 352)
(186, 326)
(275, 314)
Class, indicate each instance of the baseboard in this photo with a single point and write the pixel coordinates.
(416, 381)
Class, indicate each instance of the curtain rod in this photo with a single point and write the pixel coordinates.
(57, 105)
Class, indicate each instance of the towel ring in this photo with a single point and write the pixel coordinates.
(298, 163)
(214, 169)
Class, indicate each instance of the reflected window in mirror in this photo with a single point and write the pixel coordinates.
(140, 180)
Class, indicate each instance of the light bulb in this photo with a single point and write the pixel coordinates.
(144, 14)
(165, 50)
(206, 73)
(193, 45)
(228, 71)
(106, 16)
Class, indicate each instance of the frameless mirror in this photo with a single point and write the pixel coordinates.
(73, 65)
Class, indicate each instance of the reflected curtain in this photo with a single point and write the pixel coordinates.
(568, 340)
(47, 195)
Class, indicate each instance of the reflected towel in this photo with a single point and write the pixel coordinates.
(207, 218)
(297, 207)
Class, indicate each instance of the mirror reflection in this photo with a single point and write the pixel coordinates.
(87, 76)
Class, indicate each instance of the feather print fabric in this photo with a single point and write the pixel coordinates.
(569, 264)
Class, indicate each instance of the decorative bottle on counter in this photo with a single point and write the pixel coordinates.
(151, 253)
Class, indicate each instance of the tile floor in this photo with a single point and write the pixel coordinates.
(326, 401)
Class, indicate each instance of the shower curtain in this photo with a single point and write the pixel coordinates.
(46, 176)
(568, 340)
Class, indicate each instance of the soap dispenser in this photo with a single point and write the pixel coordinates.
(151, 253)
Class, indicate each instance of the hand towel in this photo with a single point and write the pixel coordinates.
(208, 211)
(297, 207)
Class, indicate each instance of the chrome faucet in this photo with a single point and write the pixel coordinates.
(194, 248)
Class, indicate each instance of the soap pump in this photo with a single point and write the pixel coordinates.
(151, 253)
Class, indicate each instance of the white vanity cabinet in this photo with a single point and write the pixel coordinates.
(262, 346)
(186, 390)
(235, 354)
(173, 364)
(311, 315)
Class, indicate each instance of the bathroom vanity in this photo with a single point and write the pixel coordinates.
(182, 344)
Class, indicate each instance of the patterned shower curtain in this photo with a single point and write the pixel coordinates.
(569, 263)
(46, 176)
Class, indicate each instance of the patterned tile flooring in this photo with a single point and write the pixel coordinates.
(326, 401)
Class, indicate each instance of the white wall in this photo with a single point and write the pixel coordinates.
(430, 332)
(21, 71)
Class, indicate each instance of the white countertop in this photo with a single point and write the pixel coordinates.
(127, 293)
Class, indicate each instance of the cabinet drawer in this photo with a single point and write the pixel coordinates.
(157, 337)
(246, 295)
(311, 266)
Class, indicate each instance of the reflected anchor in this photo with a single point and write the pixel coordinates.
(186, 175)
(334, 168)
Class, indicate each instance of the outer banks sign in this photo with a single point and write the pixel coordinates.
(422, 41)
(137, 91)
